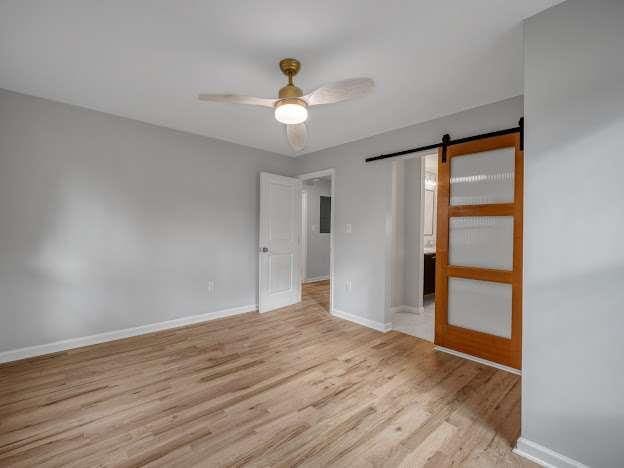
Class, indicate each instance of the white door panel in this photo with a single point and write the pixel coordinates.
(280, 216)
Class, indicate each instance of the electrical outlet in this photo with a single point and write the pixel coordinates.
(210, 286)
(348, 285)
(348, 228)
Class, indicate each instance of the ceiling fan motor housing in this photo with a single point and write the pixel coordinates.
(290, 91)
(290, 67)
(296, 101)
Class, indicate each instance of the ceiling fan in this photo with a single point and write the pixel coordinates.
(291, 106)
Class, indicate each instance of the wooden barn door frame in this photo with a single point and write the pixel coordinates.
(505, 351)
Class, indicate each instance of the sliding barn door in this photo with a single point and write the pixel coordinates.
(479, 249)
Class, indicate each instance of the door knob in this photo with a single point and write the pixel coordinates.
(264, 249)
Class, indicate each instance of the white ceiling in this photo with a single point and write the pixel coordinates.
(148, 59)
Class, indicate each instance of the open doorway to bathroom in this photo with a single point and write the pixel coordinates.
(316, 239)
(413, 261)
(429, 223)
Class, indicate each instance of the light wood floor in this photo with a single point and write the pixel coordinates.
(316, 293)
(291, 387)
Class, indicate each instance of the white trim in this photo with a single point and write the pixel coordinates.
(544, 456)
(421, 232)
(317, 174)
(379, 326)
(304, 235)
(40, 350)
(477, 359)
(316, 278)
(332, 236)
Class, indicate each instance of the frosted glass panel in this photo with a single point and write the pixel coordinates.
(480, 305)
(481, 241)
(483, 178)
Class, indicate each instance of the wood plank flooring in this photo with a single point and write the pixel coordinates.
(292, 387)
(316, 293)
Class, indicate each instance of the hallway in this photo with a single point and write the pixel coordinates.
(316, 293)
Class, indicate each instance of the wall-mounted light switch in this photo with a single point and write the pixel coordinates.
(348, 228)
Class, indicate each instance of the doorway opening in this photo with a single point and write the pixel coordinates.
(317, 230)
(414, 245)
(430, 222)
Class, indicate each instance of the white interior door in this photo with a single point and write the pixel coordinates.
(280, 216)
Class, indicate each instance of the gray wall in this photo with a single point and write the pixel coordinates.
(108, 223)
(413, 232)
(573, 347)
(364, 199)
(317, 263)
(397, 262)
(407, 246)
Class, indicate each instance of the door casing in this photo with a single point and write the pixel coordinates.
(332, 174)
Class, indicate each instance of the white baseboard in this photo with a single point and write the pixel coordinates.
(477, 359)
(316, 278)
(379, 326)
(408, 309)
(40, 350)
(544, 456)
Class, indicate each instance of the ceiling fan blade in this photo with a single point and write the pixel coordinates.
(297, 136)
(340, 91)
(237, 99)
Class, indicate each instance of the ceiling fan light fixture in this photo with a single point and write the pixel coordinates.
(291, 111)
(291, 105)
